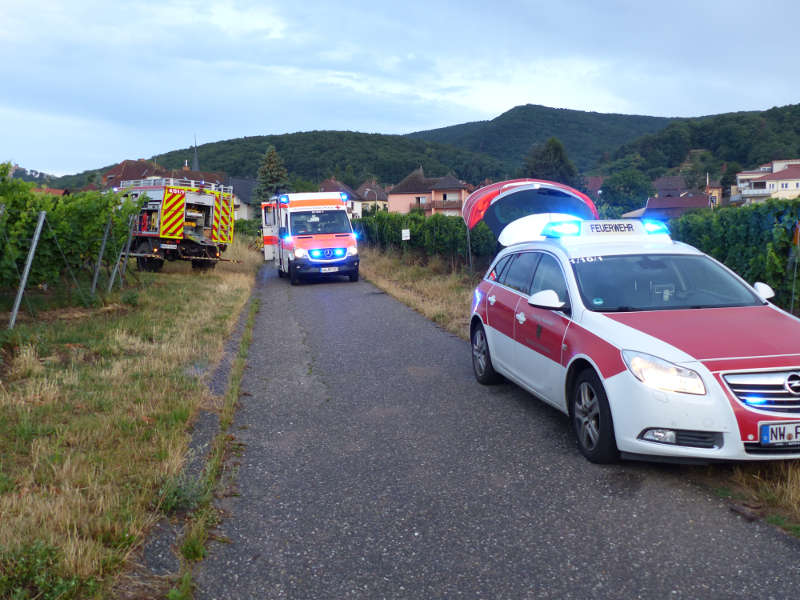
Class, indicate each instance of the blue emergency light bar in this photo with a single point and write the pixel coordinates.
(651, 226)
(284, 199)
(557, 229)
(344, 196)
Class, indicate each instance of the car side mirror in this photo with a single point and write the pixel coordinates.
(546, 299)
(282, 232)
(763, 290)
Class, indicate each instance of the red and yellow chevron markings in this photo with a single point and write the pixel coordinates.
(173, 210)
(222, 227)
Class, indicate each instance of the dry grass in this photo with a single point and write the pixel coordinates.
(427, 286)
(94, 414)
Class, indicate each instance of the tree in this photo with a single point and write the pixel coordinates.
(625, 191)
(550, 161)
(273, 178)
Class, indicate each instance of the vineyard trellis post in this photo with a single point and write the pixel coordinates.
(124, 250)
(100, 256)
(26, 272)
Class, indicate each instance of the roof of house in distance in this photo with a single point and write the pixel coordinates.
(129, 170)
(417, 183)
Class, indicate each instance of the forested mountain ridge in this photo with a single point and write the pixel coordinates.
(731, 141)
(349, 156)
(587, 136)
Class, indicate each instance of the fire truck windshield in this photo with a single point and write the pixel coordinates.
(319, 221)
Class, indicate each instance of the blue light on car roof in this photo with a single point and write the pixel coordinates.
(557, 229)
(284, 198)
(344, 196)
(655, 227)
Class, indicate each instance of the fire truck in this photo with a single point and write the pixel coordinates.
(180, 219)
(309, 234)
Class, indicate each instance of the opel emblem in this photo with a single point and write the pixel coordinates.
(792, 384)
(328, 254)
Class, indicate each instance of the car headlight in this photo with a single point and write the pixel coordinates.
(352, 251)
(299, 253)
(660, 374)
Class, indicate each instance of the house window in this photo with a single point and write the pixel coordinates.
(421, 199)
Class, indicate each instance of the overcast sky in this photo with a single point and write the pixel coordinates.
(89, 83)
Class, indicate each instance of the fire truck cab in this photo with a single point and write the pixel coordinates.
(309, 234)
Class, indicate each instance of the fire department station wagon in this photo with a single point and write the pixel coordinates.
(651, 347)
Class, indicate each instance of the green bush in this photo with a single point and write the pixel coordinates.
(755, 241)
(437, 235)
(251, 227)
(71, 236)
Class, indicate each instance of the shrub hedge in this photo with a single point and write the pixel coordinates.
(75, 226)
(755, 241)
(435, 235)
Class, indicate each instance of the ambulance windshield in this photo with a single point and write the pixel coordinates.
(657, 282)
(309, 222)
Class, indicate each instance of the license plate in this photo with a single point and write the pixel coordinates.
(780, 434)
(169, 246)
(329, 269)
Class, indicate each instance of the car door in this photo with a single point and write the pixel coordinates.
(504, 298)
(539, 334)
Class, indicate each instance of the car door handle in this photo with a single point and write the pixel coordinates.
(492, 300)
(520, 317)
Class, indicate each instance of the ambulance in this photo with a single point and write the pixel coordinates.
(653, 349)
(309, 234)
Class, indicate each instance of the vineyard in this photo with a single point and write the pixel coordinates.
(71, 237)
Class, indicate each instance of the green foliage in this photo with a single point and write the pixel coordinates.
(623, 192)
(273, 178)
(250, 227)
(349, 156)
(744, 138)
(550, 161)
(588, 137)
(34, 572)
(755, 241)
(435, 235)
(70, 237)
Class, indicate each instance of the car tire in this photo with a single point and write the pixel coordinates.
(591, 419)
(481, 357)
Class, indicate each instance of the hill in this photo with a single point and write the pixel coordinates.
(349, 156)
(587, 136)
(729, 141)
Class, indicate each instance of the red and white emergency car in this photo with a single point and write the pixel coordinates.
(651, 347)
(310, 234)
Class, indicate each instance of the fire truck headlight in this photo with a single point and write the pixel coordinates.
(299, 253)
(352, 251)
(660, 374)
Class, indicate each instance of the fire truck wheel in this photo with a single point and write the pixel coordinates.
(203, 265)
(155, 264)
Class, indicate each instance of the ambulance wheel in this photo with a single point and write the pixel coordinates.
(354, 275)
(293, 278)
(591, 419)
(281, 273)
(481, 358)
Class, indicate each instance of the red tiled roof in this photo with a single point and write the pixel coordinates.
(141, 169)
(417, 183)
(792, 172)
(373, 186)
(51, 191)
(685, 201)
(333, 185)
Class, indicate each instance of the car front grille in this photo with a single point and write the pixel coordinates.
(764, 391)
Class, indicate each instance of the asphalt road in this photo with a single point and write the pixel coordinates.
(373, 465)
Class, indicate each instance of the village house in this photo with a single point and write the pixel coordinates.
(776, 179)
(373, 195)
(354, 200)
(431, 195)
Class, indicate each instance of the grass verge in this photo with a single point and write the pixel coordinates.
(767, 490)
(196, 533)
(428, 285)
(94, 409)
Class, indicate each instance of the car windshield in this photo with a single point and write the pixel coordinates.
(320, 221)
(657, 282)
